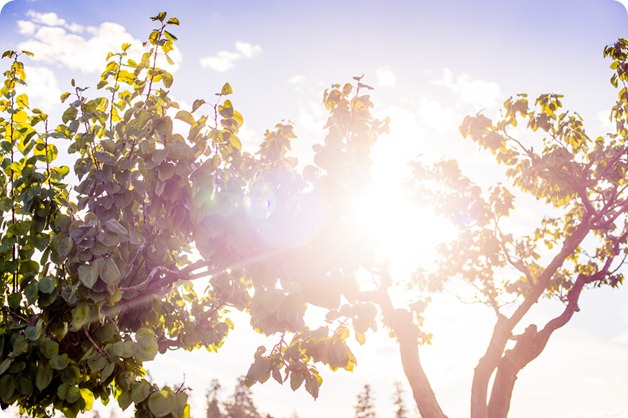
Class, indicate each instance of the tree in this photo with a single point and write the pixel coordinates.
(365, 408)
(242, 405)
(212, 404)
(400, 406)
(97, 279)
(582, 244)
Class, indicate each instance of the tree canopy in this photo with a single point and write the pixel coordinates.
(99, 277)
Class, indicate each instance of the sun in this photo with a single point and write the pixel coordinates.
(405, 234)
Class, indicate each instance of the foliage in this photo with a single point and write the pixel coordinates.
(400, 407)
(365, 407)
(240, 405)
(581, 243)
(98, 279)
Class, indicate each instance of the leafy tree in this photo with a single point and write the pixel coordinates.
(98, 281)
(582, 244)
(365, 407)
(400, 406)
(213, 409)
(242, 405)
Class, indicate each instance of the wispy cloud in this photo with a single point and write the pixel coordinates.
(53, 40)
(42, 88)
(225, 60)
(443, 120)
(48, 19)
(296, 81)
(480, 93)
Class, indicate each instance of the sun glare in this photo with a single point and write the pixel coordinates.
(405, 234)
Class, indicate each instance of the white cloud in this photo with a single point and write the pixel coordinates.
(386, 77)
(443, 120)
(248, 50)
(48, 19)
(296, 81)
(41, 88)
(75, 27)
(54, 41)
(224, 60)
(480, 93)
(26, 27)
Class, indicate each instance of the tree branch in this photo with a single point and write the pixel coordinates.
(504, 326)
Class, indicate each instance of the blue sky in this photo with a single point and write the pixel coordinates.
(431, 63)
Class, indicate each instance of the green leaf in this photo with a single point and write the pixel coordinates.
(74, 394)
(226, 109)
(167, 79)
(161, 403)
(107, 371)
(110, 273)
(14, 300)
(88, 274)
(80, 315)
(69, 115)
(235, 142)
(140, 391)
(186, 117)
(7, 386)
(343, 333)
(226, 89)
(116, 227)
(88, 398)
(197, 103)
(124, 349)
(160, 16)
(312, 386)
(143, 117)
(170, 35)
(124, 400)
(20, 346)
(296, 380)
(43, 376)
(166, 171)
(147, 347)
(59, 361)
(33, 332)
(49, 348)
(4, 366)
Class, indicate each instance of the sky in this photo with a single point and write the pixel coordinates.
(431, 63)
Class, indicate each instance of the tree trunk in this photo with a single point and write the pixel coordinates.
(408, 337)
(501, 394)
(485, 368)
(421, 388)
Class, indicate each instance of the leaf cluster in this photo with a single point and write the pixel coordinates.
(98, 279)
